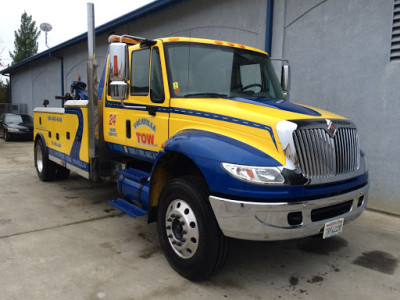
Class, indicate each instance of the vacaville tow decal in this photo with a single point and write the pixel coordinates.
(144, 138)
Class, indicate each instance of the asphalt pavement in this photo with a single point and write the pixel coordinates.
(62, 240)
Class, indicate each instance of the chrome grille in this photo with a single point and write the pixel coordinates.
(321, 155)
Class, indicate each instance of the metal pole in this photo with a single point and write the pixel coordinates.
(92, 94)
(269, 24)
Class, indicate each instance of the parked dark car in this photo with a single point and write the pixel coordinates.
(16, 126)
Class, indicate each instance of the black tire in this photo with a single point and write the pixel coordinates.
(45, 168)
(188, 231)
(6, 136)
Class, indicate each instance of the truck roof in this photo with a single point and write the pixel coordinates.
(209, 41)
(135, 40)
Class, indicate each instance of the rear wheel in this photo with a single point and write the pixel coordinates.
(189, 234)
(45, 168)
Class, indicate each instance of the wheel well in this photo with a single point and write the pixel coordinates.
(171, 165)
(39, 137)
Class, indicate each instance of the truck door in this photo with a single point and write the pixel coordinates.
(147, 106)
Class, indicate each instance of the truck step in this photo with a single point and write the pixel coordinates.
(134, 174)
(127, 207)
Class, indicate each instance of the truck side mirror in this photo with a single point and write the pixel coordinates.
(285, 79)
(118, 63)
(118, 90)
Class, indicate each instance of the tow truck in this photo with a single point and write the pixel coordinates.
(205, 143)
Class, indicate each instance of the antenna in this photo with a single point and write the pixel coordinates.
(46, 27)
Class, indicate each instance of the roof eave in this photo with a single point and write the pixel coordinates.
(141, 12)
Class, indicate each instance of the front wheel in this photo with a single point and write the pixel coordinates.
(188, 231)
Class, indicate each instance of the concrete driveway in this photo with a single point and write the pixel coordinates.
(61, 240)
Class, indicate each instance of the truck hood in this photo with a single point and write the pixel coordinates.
(263, 111)
(279, 104)
(252, 121)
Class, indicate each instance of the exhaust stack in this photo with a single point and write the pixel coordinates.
(92, 94)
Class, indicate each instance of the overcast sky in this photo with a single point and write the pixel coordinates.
(68, 19)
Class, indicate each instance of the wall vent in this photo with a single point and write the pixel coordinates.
(395, 46)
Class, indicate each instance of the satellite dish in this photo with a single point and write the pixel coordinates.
(46, 27)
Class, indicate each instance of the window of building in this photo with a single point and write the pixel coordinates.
(395, 46)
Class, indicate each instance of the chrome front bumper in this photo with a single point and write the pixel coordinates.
(261, 221)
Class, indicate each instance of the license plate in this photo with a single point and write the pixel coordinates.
(333, 228)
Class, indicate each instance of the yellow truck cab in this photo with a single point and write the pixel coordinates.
(208, 146)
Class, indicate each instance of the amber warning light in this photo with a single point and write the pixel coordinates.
(116, 66)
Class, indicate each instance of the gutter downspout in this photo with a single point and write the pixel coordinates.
(269, 23)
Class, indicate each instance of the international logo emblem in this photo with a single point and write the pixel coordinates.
(331, 128)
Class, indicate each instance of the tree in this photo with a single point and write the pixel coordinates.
(5, 91)
(25, 42)
(4, 87)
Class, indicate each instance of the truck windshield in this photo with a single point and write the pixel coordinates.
(212, 71)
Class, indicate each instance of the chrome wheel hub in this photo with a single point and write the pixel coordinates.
(39, 159)
(182, 229)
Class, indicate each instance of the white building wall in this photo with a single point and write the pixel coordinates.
(38, 81)
(339, 52)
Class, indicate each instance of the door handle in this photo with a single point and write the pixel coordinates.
(152, 110)
(128, 129)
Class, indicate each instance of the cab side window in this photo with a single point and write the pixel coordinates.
(156, 80)
(140, 72)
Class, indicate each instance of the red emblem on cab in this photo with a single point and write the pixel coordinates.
(331, 128)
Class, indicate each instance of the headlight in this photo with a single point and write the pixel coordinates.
(256, 175)
(13, 130)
